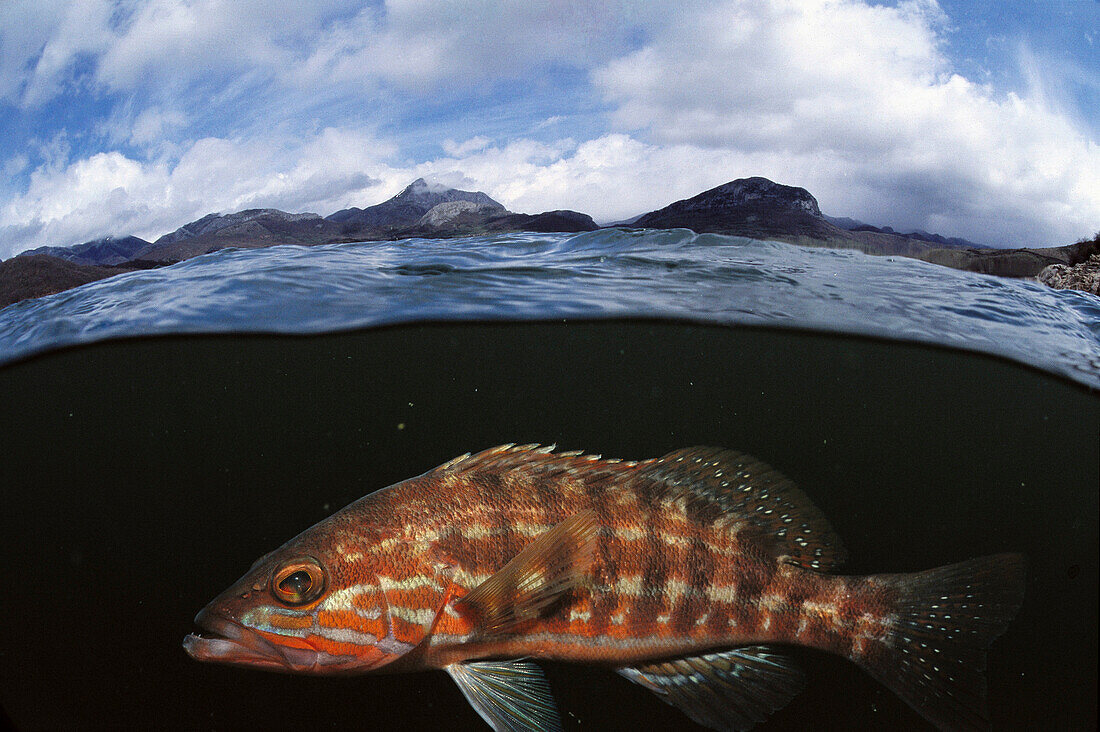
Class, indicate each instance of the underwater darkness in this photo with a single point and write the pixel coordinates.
(142, 477)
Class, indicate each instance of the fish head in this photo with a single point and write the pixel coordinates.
(304, 609)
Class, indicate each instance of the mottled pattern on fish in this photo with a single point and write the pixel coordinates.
(668, 576)
(658, 560)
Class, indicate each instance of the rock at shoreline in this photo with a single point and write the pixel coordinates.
(1009, 262)
(1084, 276)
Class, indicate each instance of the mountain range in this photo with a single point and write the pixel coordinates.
(753, 207)
(106, 251)
(422, 209)
(762, 209)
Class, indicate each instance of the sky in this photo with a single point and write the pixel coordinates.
(971, 118)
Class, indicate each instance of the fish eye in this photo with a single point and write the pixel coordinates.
(298, 582)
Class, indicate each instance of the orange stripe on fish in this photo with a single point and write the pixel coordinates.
(351, 620)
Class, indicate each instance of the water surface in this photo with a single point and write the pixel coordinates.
(659, 274)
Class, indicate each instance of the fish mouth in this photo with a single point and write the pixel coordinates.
(226, 641)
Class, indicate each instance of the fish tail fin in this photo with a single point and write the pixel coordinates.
(934, 655)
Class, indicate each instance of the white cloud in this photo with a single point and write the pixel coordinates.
(153, 123)
(109, 193)
(556, 119)
(164, 47)
(858, 104)
(457, 149)
(335, 169)
(88, 197)
(15, 165)
(611, 177)
(40, 42)
(421, 44)
(179, 43)
(230, 103)
(160, 47)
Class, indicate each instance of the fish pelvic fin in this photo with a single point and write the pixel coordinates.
(934, 656)
(731, 690)
(544, 571)
(510, 696)
(727, 486)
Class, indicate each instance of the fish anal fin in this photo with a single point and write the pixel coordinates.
(723, 485)
(730, 690)
(509, 695)
(544, 571)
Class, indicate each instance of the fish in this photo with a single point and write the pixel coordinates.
(688, 574)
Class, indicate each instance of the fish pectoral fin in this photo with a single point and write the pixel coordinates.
(509, 695)
(731, 690)
(545, 570)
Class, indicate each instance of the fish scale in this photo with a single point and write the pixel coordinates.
(640, 542)
(677, 571)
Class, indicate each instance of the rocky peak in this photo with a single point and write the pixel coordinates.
(755, 207)
(408, 206)
(754, 191)
(420, 193)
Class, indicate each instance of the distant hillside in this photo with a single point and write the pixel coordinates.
(465, 218)
(844, 222)
(754, 207)
(421, 209)
(550, 221)
(38, 275)
(762, 209)
(250, 229)
(850, 224)
(943, 241)
(108, 250)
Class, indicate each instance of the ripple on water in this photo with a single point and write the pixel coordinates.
(603, 274)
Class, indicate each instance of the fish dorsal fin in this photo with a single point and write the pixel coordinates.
(717, 484)
(509, 695)
(539, 460)
(731, 690)
(726, 485)
(546, 569)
